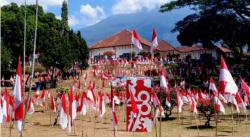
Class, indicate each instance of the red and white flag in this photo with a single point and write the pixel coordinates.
(157, 105)
(246, 90)
(106, 76)
(218, 106)
(6, 106)
(63, 119)
(136, 40)
(235, 103)
(154, 41)
(18, 93)
(179, 102)
(193, 106)
(30, 107)
(212, 86)
(168, 99)
(114, 116)
(1, 113)
(53, 104)
(156, 101)
(49, 93)
(83, 106)
(101, 104)
(2, 81)
(85, 75)
(42, 98)
(163, 80)
(72, 109)
(227, 83)
(240, 102)
(91, 98)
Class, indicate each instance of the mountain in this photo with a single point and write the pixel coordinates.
(143, 22)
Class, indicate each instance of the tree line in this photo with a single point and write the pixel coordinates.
(58, 46)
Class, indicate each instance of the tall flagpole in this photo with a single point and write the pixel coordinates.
(0, 64)
(24, 42)
(33, 60)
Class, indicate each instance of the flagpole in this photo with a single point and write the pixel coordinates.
(232, 120)
(24, 43)
(0, 66)
(10, 126)
(131, 54)
(33, 63)
(160, 113)
(216, 122)
(112, 96)
(197, 126)
(155, 122)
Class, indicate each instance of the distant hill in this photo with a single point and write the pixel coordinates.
(143, 22)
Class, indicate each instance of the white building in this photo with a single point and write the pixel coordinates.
(195, 52)
(117, 45)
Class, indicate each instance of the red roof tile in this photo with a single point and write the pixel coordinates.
(225, 50)
(165, 46)
(189, 49)
(118, 39)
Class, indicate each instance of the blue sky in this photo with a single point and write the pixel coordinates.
(83, 13)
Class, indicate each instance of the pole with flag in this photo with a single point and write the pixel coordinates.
(33, 61)
(135, 41)
(18, 94)
(154, 43)
(227, 84)
(115, 120)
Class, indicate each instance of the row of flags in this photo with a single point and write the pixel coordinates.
(69, 105)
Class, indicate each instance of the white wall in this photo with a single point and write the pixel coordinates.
(196, 54)
(119, 50)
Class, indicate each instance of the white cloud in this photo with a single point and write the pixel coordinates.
(59, 17)
(3, 2)
(133, 6)
(91, 15)
(73, 21)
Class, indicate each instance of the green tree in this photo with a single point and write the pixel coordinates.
(5, 58)
(64, 15)
(213, 21)
(56, 48)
